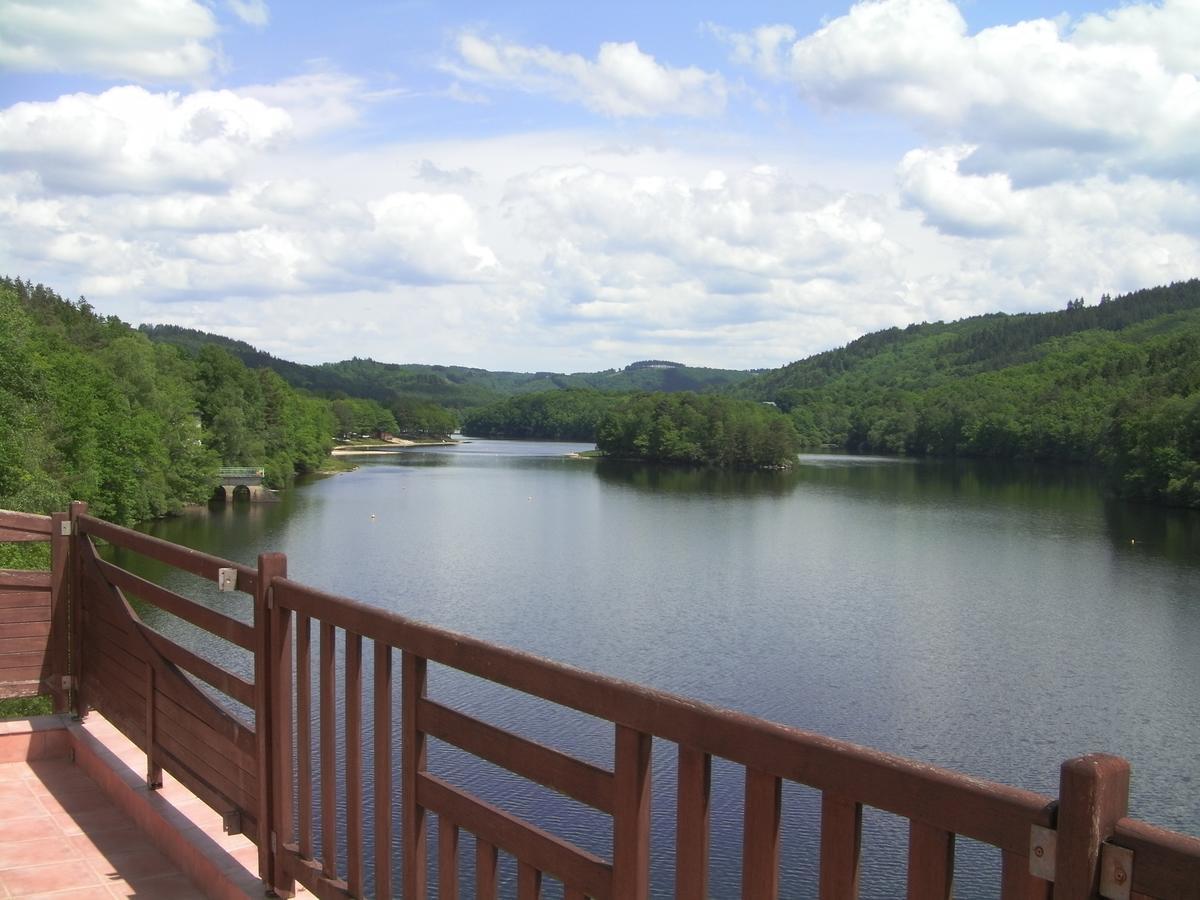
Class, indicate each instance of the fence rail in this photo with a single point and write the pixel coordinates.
(324, 803)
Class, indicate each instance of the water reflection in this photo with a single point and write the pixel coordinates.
(663, 479)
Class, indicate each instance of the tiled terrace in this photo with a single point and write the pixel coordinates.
(76, 821)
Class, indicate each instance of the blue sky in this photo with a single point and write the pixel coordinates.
(537, 186)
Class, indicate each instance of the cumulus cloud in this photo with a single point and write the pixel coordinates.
(147, 40)
(666, 251)
(1116, 94)
(427, 170)
(622, 81)
(131, 140)
(969, 205)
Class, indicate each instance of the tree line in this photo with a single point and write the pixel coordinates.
(95, 411)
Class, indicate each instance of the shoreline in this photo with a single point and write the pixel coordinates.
(396, 445)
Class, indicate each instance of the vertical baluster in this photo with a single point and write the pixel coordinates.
(529, 882)
(383, 770)
(354, 806)
(486, 870)
(841, 847)
(328, 754)
(760, 836)
(1015, 881)
(631, 815)
(930, 862)
(691, 824)
(304, 731)
(412, 764)
(447, 859)
(153, 769)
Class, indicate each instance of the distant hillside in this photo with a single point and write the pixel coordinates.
(455, 387)
(1115, 384)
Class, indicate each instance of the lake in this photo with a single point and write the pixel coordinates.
(995, 619)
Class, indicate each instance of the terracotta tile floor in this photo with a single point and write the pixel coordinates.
(62, 837)
(76, 821)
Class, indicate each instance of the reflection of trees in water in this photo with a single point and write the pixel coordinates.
(921, 482)
(707, 480)
(1171, 534)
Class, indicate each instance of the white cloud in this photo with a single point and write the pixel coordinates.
(316, 102)
(131, 140)
(147, 40)
(1040, 101)
(622, 81)
(252, 12)
(970, 205)
(764, 48)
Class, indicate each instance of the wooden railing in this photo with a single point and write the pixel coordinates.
(302, 792)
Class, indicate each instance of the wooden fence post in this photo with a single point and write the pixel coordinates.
(1093, 796)
(75, 616)
(60, 598)
(273, 724)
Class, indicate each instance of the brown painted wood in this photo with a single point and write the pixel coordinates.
(30, 523)
(841, 847)
(760, 836)
(1165, 863)
(996, 814)
(197, 614)
(631, 814)
(329, 765)
(383, 773)
(1017, 884)
(75, 568)
(304, 747)
(930, 862)
(353, 764)
(35, 660)
(309, 873)
(573, 893)
(238, 688)
(153, 769)
(25, 606)
(21, 536)
(487, 872)
(193, 561)
(692, 824)
(273, 686)
(413, 760)
(9, 644)
(491, 825)
(584, 782)
(448, 836)
(58, 650)
(529, 882)
(25, 579)
(27, 629)
(1093, 797)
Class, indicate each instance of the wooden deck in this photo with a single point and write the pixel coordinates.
(318, 667)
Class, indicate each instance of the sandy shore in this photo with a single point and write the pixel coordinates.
(395, 445)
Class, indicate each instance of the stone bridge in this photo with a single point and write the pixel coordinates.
(243, 482)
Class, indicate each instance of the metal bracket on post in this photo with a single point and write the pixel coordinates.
(226, 579)
(1116, 872)
(67, 682)
(1043, 845)
(231, 821)
(64, 528)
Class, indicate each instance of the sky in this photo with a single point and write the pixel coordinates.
(572, 187)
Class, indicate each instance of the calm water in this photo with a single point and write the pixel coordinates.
(993, 619)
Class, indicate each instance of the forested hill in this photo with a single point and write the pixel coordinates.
(92, 410)
(1116, 384)
(455, 387)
